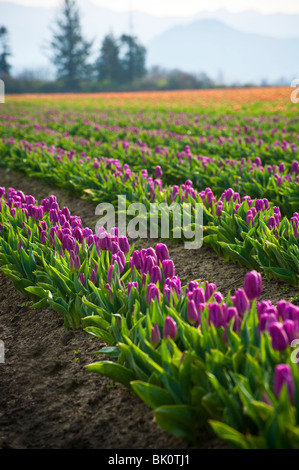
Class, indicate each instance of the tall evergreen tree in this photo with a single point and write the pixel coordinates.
(5, 67)
(70, 50)
(108, 65)
(133, 58)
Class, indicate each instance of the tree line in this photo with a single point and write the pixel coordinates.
(120, 63)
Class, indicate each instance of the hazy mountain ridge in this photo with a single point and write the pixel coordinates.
(213, 46)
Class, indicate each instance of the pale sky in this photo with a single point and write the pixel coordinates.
(182, 8)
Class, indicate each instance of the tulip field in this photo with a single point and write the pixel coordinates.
(198, 356)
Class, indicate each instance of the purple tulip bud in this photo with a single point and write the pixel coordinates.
(65, 211)
(152, 293)
(168, 268)
(77, 234)
(209, 290)
(43, 237)
(262, 306)
(155, 335)
(198, 295)
(278, 335)
(124, 244)
(295, 167)
(38, 212)
(219, 208)
(192, 285)
(54, 216)
(75, 262)
(271, 223)
(109, 273)
(282, 309)
(253, 285)
(114, 248)
(162, 252)
(137, 260)
(259, 204)
(132, 284)
(93, 276)
(68, 243)
(290, 329)
(263, 322)
(192, 314)
(283, 375)
(30, 200)
(241, 301)
(218, 297)
(158, 172)
(155, 275)
(169, 330)
(149, 263)
(216, 314)
(105, 242)
(81, 278)
(232, 312)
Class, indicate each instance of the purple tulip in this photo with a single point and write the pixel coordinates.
(124, 244)
(290, 329)
(75, 262)
(218, 297)
(278, 335)
(162, 252)
(68, 243)
(137, 260)
(43, 237)
(168, 268)
(155, 275)
(38, 212)
(93, 276)
(149, 263)
(54, 216)
(114, 248)
(259, 204)
(209, 290)
(232, 312)
(216, 314)
(152, 293)
(169, 330)
(295, 167)
(241, 301)
(132, 284)
(283, 375)
(155, 335)
(219, 208)
(105, 242)
(158, 172)
(271, 223)
(81, 278)
(192, 285)
(198, 295)
(192, 314)
(253, 285)
(77, 234)
(263, 320)
(65, 211)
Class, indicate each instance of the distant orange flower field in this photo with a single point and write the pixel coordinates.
(275, 98)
